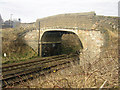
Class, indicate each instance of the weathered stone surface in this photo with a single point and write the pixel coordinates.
(92, 41)
(91, 29)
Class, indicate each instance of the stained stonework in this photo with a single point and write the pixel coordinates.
(91, 29)
(92, 41)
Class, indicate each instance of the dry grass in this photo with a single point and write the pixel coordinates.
(103, 72)
(14, 46)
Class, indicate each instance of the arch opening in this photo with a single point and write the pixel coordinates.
(60, 42)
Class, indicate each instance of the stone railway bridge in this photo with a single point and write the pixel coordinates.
(85, 26)
(90, 40)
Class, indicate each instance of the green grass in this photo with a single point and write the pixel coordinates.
(16, 59)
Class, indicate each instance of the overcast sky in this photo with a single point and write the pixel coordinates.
(30, 10)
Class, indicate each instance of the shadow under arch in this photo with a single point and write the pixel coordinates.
(52, 42)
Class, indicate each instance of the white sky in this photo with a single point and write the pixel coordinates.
(30, 10)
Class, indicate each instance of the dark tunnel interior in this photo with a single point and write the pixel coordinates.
(60, 42)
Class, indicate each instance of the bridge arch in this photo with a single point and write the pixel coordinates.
(52, 41)
(92, 40)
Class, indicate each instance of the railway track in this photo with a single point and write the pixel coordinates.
(16, 73)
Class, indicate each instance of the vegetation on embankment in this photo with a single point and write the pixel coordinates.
(14, 48)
